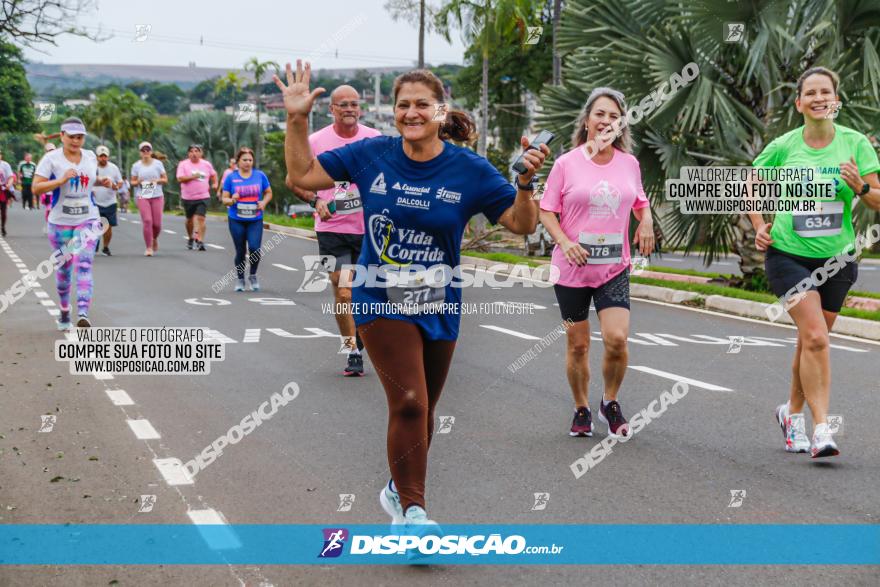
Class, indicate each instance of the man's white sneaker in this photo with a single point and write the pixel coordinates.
(823, 443)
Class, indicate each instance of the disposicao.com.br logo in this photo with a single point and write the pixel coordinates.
(428, 545)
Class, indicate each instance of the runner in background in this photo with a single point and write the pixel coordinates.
(593, 198)
(148, 176)
(105, 197)
(419, 191)
(194, 175)
(799, 244)
(70, 174)
(227, 171)
(246, 192)
(7, 179)
(26, 170)
(341, 232)
(124, 195)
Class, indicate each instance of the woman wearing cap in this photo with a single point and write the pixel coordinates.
(246, 192)
(148, 176)
(593, 188)
(70, 174)
(800, 246)
(419, 190)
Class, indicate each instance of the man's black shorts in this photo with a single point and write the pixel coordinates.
(784, 271)
(345, 247)
(108, 212)
(195, 207)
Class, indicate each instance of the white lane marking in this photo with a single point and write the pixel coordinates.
(20, 265)
(510, 332)
(102, 376)
(165, 230)
(173, 471)
(722, 263)
(217, 336)
(315, 333)
(216, 539)
(23, 271)
(47, 302)
(674, 377)
(285, 267)
(196, 302)
(143, 429)
(657, 339)
(54, 312)
(630, 339)
(40, 293)
(251, 335)
(135, 221)
(752, 320)
(670, 259)
(119, 397)
(864, 268)
(214, 246)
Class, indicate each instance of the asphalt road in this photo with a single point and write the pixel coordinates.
(508, 441)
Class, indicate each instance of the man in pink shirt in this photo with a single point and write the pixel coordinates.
(340, 216)
(194, 173)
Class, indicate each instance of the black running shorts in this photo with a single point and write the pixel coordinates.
(784, 272)
(574, 302)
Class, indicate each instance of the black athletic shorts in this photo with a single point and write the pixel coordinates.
(784, 272)
(345, 247)
(108, 212)
(195, 207)
(574, 302)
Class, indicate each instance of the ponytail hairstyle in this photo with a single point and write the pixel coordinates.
(159, 155)
(623, 141)
(458, 126)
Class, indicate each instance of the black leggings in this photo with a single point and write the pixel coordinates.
(412, 371)
(3, 215)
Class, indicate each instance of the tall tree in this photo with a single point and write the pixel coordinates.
(415, 12)
(16, 109)
(483, 23)
(742, 98)
(31, 22)
(259, 69)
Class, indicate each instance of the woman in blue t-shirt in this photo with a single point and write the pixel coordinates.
(418, 191)
(246, 192)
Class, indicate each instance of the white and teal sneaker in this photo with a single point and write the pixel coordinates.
(794, 429)
(390, 502)
(418, 524)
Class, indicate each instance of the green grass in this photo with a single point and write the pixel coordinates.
(676, 271)
(504, 258)
(865, 294)
(707, 289)
(307, 222)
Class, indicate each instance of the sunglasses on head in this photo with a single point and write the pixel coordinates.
(145, 149)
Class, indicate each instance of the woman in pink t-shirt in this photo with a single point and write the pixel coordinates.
(586, 208)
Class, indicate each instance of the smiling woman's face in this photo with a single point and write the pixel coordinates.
(603, 112)
(817, 98)
(413, 112)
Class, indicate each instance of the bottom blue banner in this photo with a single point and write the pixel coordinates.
(269, 544)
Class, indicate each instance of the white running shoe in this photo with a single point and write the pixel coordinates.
(794, 428)
(823, 443)
(418, 524)
(390, 502)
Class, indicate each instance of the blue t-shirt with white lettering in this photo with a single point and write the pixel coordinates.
(250, 191)
(415, 213)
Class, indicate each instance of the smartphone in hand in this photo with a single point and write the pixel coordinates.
(544, 138)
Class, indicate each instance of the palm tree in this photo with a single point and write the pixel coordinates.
(414, 12)
(483, 23)
(259, 69)
(742, 98)
(121, 115)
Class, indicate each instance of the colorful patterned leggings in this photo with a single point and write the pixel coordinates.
(81, 243)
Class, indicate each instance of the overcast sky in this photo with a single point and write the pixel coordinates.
(225, 33)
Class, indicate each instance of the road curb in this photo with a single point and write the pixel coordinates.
(868, 329)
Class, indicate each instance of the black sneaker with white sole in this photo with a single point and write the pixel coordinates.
(355, 367)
